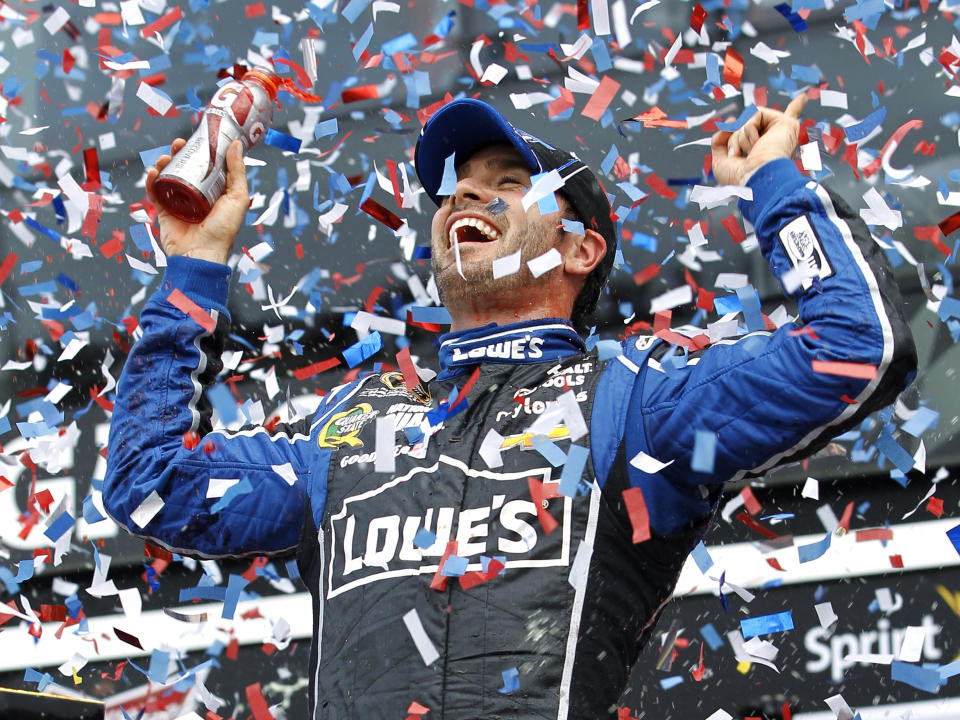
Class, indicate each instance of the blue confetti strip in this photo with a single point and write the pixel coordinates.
(858, 131)
(235, 586)
(448, 185)
(424, 538)
(326, 128)
(546, 447)
(232, 493)
(59, 526)
(922, 678)
(671, 682)
(432, 315)
(814, 550)
(701, 557)
(750, 302)
(953, 534)
(710, 635)
(798, 23)
(511, 680)
(282, 141)
(922, 419)
(748, 112)
(454, 566)
(766, 624)
(572, 226)
(572, 474)
(893, 451)
(159, 664)
(363, 349)
(704, 451)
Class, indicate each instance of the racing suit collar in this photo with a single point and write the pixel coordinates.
(527, 342)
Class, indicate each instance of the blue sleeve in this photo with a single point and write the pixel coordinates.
(765, 398)
(160, 401)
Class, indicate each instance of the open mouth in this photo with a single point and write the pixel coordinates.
(466, 230)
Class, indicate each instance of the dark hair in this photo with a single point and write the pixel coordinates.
(585, 304)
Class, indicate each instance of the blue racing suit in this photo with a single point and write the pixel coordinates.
(511, 559)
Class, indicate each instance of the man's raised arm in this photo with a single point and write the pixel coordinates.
(746, 404)
(169, 478)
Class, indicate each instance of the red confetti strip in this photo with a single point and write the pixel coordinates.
(750, 501)
(697, 16)
(895, 138)
(775, 564)
(394, 181)
(705, 300)
(91, 165)
(439, 581)
(162, 23)
(756, 527)
(371, 302)
(467, 387)
(316, 368)
(732, 226)
(699, 670)
(732, 67)
(647, 274)
(68, 62)
(255, 10)
(845, 518)
(583, 14)
(5, 484)
(637, 512)
(361, 92)
(189, 307)
(473, 578)
(659, 186)
(378, 212)
(409, 370)
(928, 233)
(862, 371)
(111, 247)
(547, 521)
(935, 506)
(92, 219)
(258, 703)
(8, 262)
(896, 561)
(949, 224)
(561, 104)
(601, 98)
(874, 534)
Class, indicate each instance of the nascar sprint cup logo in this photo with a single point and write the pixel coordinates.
(374, 534)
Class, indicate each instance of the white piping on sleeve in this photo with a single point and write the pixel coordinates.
(887, 354)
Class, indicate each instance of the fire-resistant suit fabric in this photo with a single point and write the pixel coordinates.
(511, 559)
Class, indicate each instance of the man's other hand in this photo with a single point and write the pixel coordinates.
(212, 238)
(768, 135)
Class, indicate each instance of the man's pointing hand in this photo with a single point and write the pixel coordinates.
(768, 135)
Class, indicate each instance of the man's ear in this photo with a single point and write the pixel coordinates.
(585, 253)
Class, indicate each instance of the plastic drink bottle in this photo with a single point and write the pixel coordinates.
(196, 176)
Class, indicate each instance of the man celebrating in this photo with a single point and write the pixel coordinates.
(498, 542)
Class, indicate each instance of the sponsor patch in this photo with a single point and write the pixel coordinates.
(805, 251)
(344, 427)
(372, 536)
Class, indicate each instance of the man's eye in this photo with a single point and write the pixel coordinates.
(508, 180)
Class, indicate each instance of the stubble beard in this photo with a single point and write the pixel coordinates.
(481, 292)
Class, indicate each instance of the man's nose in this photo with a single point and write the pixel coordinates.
(468, 189)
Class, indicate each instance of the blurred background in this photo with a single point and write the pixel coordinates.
(96, 90)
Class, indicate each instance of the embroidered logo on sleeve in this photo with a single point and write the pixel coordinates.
(803, 247)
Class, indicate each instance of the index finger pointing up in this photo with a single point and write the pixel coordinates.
(796, 106)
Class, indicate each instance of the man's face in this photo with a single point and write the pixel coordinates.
(463, 224)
